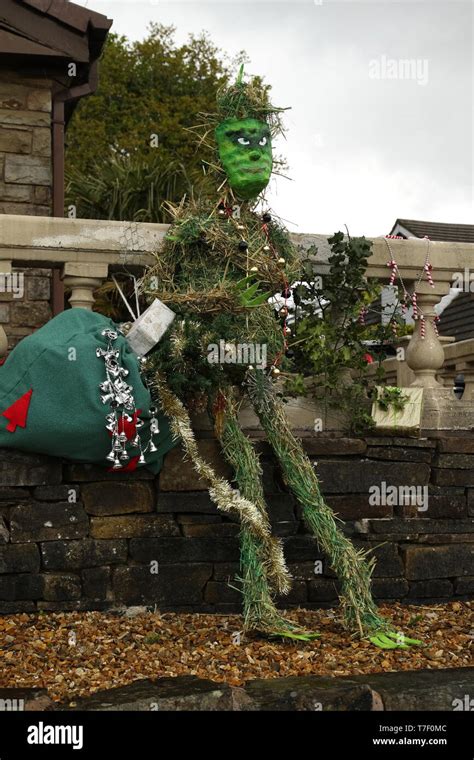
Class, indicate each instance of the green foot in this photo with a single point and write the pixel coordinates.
(392, 640)
(298, 634)
(281, 628)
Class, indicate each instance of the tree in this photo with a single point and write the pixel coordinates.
(128, 146)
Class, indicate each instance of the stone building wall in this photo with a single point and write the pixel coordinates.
(75, 537)
(25, 145)
(25, 188)
(28, 307)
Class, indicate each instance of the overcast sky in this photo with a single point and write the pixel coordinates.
(381, 94)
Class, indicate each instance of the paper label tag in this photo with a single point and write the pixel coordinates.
(150, 327)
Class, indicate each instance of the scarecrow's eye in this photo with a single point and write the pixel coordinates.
(243, 141)
(263, 141)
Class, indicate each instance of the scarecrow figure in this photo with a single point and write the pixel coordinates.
(217, 270)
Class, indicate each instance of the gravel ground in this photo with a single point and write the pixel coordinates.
(75, 654)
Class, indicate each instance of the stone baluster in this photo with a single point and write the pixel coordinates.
(82, 279)
(466, 368)
(425, 355)
(446, 377)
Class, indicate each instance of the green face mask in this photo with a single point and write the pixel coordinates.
(245, 151)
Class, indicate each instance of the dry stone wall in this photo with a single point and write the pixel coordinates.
(76, 537)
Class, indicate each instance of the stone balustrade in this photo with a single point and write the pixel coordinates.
(459, 360)
(88, 251)
(85, 250)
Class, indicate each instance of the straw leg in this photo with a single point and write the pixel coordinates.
(360, 612)
(262, 576)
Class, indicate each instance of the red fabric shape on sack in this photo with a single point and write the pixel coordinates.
(129, 428)
(17, 413)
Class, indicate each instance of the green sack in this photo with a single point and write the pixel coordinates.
(50, 384)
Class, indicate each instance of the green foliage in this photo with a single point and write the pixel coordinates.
(330, 341)
(248, 291)
(393, 397)
(148, 87)
(131, 188)
(203, 252)
(183, 352)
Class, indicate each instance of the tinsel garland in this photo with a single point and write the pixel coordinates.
(222, 494)
(351, 566)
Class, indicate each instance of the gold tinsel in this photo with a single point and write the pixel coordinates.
(226, 498)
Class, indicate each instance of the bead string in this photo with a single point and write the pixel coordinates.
(426, 271)
(284, 311)
(228, 211)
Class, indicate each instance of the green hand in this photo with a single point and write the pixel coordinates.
(392, 640)
(248, 295)
(296, 636)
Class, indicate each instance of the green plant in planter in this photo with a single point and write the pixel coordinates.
(331, 337)
(392, 397)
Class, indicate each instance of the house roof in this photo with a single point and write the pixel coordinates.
(43, 35)
(75, 16)
(58, 27)
(460, 233)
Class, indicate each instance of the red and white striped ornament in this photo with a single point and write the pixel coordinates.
(393, 266)
(422, 327)
(428, 269)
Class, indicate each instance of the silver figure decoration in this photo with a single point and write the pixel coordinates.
(119, 396)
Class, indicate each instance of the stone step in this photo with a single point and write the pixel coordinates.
(433, 690)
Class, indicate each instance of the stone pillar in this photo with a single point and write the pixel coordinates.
(446, 378)
(82, 280)
(425, 356)
(466, 368)
(25, 144)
